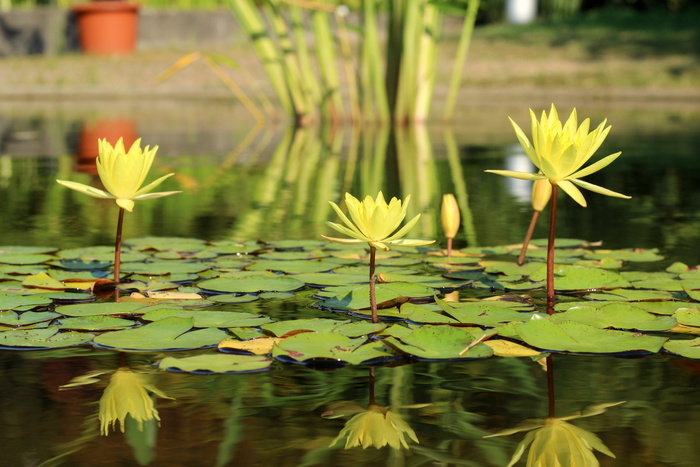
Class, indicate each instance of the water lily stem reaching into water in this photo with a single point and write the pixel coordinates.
(528, 237)
(550, 251)
(372, 282)
(550, 384)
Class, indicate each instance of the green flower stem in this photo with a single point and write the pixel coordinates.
(528, 237)
(550, 251)
(118, 247)
(550, 384)
(372, 281)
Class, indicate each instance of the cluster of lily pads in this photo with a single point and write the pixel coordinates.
(187, 294)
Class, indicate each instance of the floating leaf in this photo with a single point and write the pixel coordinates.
(233, 298)
(504, 348)
(44, 338)
(257, 346)
(440, 343)
(570, 336)
(357, 297)
(616, 315)
(103, 308)
(688, 316)
(95, 323)
(20, 259)
(632, 254)
(569, 277)
(689, 348)
(293, 267)
(282, 328)
(216, 363)
(629, 294)
(330, 279)
(23, 302)
(171, 333)
(163, 268)
(11, 318)
(329, 346)
(485, 313)
(425, 314)
(209, 319)
(251, 284)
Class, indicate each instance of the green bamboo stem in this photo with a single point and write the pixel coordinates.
(310, 83)
(331, 100)
(406, 92)
(427, 59)
(394, 49)
(346, 53)
(550, 250)
(460, 58)
(374, 93)
(250, 20)
(292, 70)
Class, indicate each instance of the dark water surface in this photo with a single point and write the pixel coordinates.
(241, 183)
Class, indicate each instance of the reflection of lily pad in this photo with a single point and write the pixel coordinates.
(216, 363)
(168, 334)
(570, 336)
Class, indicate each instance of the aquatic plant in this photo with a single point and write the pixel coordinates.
(374, 222)
(541, 194)
(449, 215)
(122, 173)
(559, 151)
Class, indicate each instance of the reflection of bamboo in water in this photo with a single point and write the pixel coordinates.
(460, 186)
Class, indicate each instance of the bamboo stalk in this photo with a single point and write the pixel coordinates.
(331, 100)
(373, 86)
(460, 57)
(406, 91)
(265, 48)
(427, 59)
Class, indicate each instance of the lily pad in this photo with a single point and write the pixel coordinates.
(209, 319)
(570, 336)
(11, 318)
(23, 302)
(104, 308)
(357, 297)
(251, 284)
(483, 313)
(569, 277)
(44, 338)
(440, 343)
(216, 363)
(616, 315)
(689, 348)
(330, 346)
(95, 323)
(171, 333)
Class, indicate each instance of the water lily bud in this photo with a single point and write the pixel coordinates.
(450, 215)
(541, 193)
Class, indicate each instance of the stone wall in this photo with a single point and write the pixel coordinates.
(50, 31)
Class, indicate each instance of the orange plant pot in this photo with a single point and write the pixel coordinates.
(107, 27)
(111, 130)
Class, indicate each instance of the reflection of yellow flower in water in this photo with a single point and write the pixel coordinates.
(125, 395)
(555, 442)
(376, 426)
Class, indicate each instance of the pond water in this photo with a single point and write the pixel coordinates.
(241, 182)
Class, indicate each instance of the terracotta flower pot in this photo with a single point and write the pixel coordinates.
(107, 27)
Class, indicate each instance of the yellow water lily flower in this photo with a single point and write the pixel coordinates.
(122, 173)
(555, 442)
(449, 215)
(375, 222)
(377, 427)
(125, 395)
(559, 151)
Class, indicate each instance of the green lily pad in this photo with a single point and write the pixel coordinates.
(209, 319)
(627, 254)
(26, 250)
(24, 259)
(95, 323)
(440, 343)
(166, 243)
(483, 313)
(331, 346)
(616, 315)
(293, 266)
(688, 316)
(282, 328)
(569, 277)
(689, 348)
(605, 263)
(331, 279)
(103, 308)
(570, 336)
(357, 297)
(293, 255)
(251, 284)
(163, 268)
(171, 333)
(216, 363)
(233, 298)
(429, 281)
(43, 338)
(23, 302)
(631, 295)
(11, 318)
(425, 314)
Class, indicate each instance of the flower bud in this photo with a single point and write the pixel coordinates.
(541, 193)
(450, 215)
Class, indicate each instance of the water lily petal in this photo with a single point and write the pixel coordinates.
(518, 175)
(572, 191)
(599, 189)
(154, 184)
(596, 166)
(127, 204)
(344, 241)
(85, 189)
